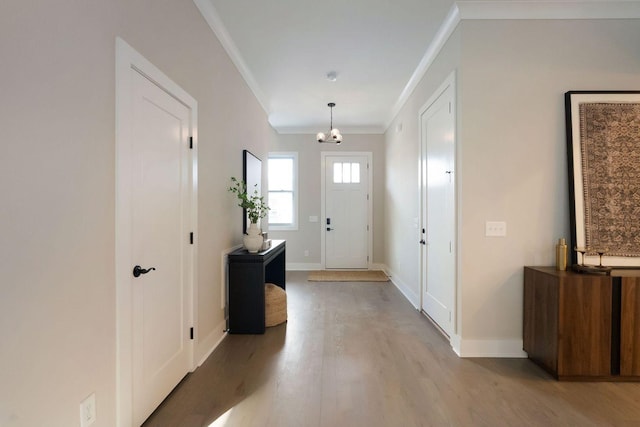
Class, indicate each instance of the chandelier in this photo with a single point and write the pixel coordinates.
(334, 134)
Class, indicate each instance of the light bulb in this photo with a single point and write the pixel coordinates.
(320, 137)
(338, 138)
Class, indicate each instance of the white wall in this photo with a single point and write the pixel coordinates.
(514, 165)
(308, 236)
(57, 180)
(511, 79)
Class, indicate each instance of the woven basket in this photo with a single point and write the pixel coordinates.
(275, 305)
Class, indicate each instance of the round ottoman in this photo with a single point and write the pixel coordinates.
(275, 305)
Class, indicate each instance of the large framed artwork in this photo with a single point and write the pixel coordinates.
(603, 147)
(252, 176)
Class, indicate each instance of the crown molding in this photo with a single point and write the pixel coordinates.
(461, 10)
(576, 9)
(447, 27)
(210, 14)
(479, 10)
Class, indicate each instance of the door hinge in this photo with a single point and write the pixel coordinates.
(191, 333)
(367, 196)
(367, 165)
(450, 247)
(191, 237)
(449, 316)
(449, 107)
(191, 142)
(367, 227)
(367, 258)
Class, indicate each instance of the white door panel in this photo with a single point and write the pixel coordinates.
(160, 221)
(438, 262)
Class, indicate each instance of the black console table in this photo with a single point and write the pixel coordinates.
(248, 274)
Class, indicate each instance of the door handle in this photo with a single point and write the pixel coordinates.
(422, 242)
(137, 270)
(329, 228)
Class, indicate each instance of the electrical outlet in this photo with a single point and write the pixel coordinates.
(495, 229)
(88, 411)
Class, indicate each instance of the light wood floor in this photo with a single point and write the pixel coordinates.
(358, 354)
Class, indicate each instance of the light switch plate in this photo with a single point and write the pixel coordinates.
(495, 229)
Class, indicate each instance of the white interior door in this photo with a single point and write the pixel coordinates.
(439, 211)
(156, 194)
(160, 237)
(346, 219)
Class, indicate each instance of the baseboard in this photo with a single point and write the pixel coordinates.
(454, 341)
(404, 289)
(488, 348)
(303, 266)
(213, 340)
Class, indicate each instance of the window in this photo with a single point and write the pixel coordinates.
(283, 191)
(346, 173)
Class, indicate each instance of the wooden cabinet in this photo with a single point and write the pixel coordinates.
(580, 326)
(630, 326)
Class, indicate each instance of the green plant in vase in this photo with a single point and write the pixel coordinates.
(256, 209)
(254, 203)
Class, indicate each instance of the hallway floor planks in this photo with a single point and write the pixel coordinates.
(358, 354)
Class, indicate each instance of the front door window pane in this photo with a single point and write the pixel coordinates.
(337, 173)
(355, 173)
(346, 173)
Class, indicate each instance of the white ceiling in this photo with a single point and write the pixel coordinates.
(285, 48)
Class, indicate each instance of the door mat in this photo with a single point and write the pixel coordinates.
(347, 276)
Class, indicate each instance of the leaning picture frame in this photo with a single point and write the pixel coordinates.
(603, 153)
(252, 176)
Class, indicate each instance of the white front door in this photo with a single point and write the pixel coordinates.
(346, 221)
(155, 217)
(438, 184)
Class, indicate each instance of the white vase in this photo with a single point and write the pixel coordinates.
(253, 239)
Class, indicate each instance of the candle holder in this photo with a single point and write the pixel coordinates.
(591, 269)
(600, 253)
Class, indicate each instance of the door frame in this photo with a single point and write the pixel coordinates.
(323, 164)
(449, 82)
(128, 59)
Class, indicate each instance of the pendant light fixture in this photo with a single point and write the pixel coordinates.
(334, 134)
